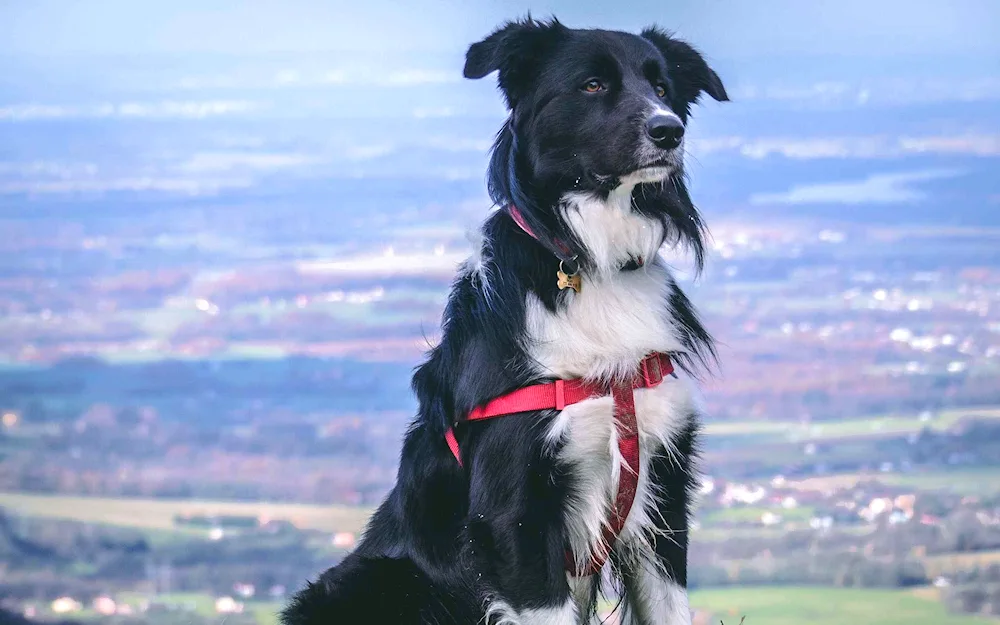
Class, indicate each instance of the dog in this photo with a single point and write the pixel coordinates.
(529, 515)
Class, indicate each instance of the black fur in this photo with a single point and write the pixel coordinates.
(448, 538)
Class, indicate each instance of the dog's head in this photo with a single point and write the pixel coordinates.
(590, 111)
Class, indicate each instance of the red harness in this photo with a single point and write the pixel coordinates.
(561, 393)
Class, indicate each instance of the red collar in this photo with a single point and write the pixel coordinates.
(561, 393)
(564, 252)
(519, 220)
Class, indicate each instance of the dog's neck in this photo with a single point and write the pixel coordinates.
(613, 234)
(619, 316)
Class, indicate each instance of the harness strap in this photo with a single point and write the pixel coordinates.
(561, 393)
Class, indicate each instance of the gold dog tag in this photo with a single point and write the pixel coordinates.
(568, 282)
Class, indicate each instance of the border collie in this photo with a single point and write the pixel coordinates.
(497, 520)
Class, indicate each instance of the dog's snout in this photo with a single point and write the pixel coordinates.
(666, 131)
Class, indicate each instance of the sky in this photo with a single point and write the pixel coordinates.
(835, 102)
(727, 28)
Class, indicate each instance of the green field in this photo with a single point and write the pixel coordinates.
(978, 481)
(264, 612)
(966, 481)
(866, 426)
(752, 515)
(769, 605)
(158, 514)
(949, 563)
(775, 605)
(200, 604)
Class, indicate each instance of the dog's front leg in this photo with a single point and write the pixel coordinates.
(515, 535)
(652, 595)
(653, 562)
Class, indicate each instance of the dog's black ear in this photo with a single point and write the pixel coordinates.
(485, 56)
(513, 50)
(687, 66)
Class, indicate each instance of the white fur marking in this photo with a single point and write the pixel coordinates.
(612, 232)
(656, 598)
(587, 431)
(478, 264)
(580, 588)
(648, 174)
(603, 332)
(563, 615)
(657, 109)
(501, 613)
(590, 446)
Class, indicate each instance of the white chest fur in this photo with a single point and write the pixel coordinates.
(603, 332)
(606, 328)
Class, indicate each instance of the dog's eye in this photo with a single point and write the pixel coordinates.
(661, 91)
(593, 85)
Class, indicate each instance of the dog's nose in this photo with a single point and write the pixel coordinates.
(666, 131)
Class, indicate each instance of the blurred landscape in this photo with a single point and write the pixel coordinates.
(218, 271)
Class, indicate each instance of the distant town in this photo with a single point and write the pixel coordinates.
(856, 402)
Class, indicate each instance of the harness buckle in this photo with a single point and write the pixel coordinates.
(652, 372)
(560, 394)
